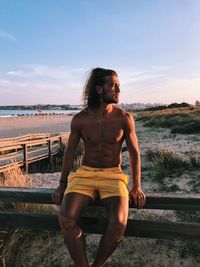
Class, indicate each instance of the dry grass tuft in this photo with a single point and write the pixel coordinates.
(11, 244)
(166, 158)
(15, 178)
(166, 162)
(12, 239)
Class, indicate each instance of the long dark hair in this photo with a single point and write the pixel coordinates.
(91, 99)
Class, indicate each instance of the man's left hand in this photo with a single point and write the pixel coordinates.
(138, 197)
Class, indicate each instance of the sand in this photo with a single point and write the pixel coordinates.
(14, 126)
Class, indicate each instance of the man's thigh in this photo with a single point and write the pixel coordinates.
(117, 209)
(72, 204)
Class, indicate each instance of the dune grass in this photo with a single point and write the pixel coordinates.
(179, 120)
(167, 162)
(12, 239)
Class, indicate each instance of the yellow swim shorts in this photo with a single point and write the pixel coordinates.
(98, 182)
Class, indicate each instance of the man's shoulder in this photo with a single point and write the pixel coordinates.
(125, 117)
(123, 113)
(80, 115)
(78, 120)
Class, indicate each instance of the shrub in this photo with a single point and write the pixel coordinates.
(179, 120)
(166, 162)
(187, 128)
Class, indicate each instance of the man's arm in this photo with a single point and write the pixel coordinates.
(68, 159)
(136, 193)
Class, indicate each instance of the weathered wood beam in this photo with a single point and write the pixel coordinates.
(154, 200)
(25, 152)
(137, 228)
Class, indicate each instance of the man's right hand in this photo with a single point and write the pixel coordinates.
(57, 195)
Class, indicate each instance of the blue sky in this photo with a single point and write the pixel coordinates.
(47, 48)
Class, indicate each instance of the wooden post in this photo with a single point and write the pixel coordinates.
(50, 152)
(60, 141)
(25, 151)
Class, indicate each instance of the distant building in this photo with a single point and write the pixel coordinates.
(197, 103)
(138, 106)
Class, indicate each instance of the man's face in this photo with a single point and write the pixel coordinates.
(111, 89)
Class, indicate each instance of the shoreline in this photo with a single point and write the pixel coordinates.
(36, 115)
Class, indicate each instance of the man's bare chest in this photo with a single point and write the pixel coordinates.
(107, 131)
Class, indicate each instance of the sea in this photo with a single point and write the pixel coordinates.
(21, 112)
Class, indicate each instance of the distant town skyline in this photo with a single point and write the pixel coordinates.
(48, 47)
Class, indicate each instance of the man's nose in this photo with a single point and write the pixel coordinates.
(117, 89)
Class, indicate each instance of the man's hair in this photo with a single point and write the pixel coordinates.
(91, 98)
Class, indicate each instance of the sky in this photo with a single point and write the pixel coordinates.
(47, 49)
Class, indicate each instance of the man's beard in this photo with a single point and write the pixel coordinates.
(110, 100)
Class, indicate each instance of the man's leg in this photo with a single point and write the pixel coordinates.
(117, 212)
(71, 207)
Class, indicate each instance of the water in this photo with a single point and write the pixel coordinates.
(10, 113)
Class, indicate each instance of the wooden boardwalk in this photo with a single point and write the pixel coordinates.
(23, 150)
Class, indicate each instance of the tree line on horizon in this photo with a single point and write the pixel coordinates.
(77, 107)
(173, 105)
(40, 107)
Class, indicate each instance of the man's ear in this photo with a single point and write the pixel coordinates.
(99, 89)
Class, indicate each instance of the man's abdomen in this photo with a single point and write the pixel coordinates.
(102, 155)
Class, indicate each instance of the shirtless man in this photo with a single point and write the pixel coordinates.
(103, 127)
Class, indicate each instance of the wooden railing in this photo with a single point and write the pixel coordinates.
(26, 137)
(93, 224)
(23, 150)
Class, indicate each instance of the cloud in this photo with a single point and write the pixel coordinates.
(32, 84)
(45, 71)
(7, 36)
(164, 90)
(134, 78)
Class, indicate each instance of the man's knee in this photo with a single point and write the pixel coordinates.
(117, 227)
(69, 228)
(67, 222)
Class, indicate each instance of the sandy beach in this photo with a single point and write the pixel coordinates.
(14, 126)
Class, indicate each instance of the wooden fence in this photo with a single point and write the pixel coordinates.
(93, 224)
(23, 150)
